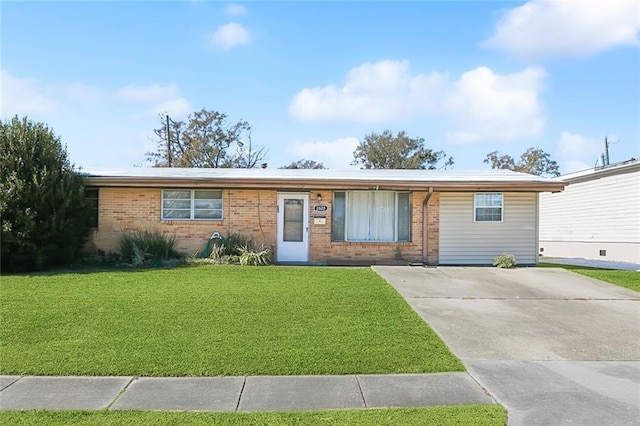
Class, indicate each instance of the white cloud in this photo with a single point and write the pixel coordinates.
(230, 35)
(177, 108)
(27, 96)
(485, 106)
(101, 126)
(235, 9)
(575, 145)
(335, 155)
(23, 96)
(577, 152)
(373, 93)
(567, 28)
(78, 92)
(162, 99)
(481, 106)
(148, 94)
(570, 166)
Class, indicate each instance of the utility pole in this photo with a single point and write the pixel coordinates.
(168, 141)
(606, 150)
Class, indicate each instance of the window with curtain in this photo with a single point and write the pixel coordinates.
(377, 216)
(192, 204)
(488, 207)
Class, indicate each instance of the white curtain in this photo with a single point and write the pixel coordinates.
(371, 216)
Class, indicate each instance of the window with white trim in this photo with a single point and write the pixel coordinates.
(375, 216)
(487, 207)
(191, 204)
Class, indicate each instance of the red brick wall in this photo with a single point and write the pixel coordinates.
(253, 213)
(124, 209)
(321, 248)
(433, 229)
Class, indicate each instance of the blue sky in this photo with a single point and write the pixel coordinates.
(313, 78)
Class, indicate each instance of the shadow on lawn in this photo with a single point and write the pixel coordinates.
(92, 269)
(571, 267)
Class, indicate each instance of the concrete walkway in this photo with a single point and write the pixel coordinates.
(605, 264)
(252, 393)
(553, 347)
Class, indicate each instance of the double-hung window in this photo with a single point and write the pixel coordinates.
(192, 204)
(376, 216)
(487, 207)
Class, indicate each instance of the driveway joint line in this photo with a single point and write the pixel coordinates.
(244, 382)
(485, 389)
(364, 401)
(11, 383)
(123, 390)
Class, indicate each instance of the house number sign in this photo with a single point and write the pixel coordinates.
(321, 208)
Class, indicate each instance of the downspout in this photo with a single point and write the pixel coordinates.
(425, 240)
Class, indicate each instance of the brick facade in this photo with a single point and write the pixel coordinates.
(253, 213)
(433, 229)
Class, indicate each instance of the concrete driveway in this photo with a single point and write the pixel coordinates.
(552, 346)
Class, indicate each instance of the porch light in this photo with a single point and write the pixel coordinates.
(319, 196)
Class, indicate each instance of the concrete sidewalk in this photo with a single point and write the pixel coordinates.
(252, 393)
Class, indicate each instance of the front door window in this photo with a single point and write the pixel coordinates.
(293, 220)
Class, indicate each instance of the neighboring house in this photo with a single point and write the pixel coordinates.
(596, 217)
(329, 216)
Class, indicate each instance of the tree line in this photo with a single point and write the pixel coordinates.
(208, 139)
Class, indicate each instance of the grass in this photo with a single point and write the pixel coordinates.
(626, 279)
(214, 321)
(478, 415)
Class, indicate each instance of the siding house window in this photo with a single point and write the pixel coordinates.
(91, 196)
(191, 204)
(488, 207)
(376, 216)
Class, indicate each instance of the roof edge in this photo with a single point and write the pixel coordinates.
(332, 184)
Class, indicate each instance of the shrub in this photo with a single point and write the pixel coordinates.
(143, 247)
(45, 217)
(235, 250)
(505, 260)
(99, 258)
(218, 256)
(221, 247)
(255, 256)
(232, 244)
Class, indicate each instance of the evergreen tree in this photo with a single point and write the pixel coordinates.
(43, 212)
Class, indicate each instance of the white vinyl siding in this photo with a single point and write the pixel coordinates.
(606, 209)
(599, 212)
(464, 241)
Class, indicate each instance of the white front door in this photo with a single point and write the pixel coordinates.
(293, 227)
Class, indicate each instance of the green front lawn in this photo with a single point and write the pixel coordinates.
(213, 321)
(479, 415)
(627, 279)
